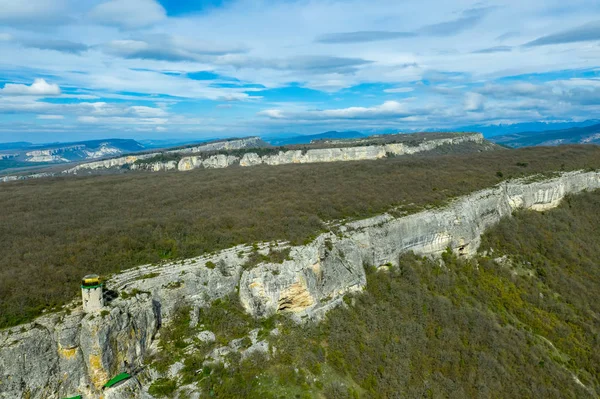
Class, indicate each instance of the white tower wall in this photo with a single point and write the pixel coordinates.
(93, 300)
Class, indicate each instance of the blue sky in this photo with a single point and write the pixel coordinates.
(74, 70)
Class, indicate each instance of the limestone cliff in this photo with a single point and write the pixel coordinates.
(69, 353)
(132, 160)
(368, 152)
(356, 153)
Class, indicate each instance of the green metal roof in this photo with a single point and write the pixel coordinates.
(75, 397)
(115, 380)
(89, 287)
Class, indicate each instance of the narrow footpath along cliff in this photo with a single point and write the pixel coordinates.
(71, 353)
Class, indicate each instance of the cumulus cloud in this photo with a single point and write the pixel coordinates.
(39, 87)
(474, 102)
(168, 48)
(128, 14)
(386, 110)
(362, 36)
(583, 33)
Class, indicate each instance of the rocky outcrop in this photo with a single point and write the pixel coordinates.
(8, 178)
(213, 162)
(155, 166)
(132, 161)
(225, 145)
(357, 153)
(361, 153)
(109, 163)
(62, 355)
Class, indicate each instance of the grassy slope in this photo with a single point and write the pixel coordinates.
(60, 229)
(465, 329)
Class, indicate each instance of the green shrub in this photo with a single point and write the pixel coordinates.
(210, 264)
(162, 388)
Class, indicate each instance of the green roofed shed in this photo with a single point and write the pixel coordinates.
(117, 379)
(75, 397)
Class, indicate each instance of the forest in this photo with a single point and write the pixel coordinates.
(519, 320)
(56, 230)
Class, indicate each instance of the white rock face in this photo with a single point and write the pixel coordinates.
(358, 153)
(60, 356)
(108, 163)
(51, 155)
(188, 162)
(221, 145)
(104, 151)
(155, 166)
(212, 162)
(5, 179)
(330, 266)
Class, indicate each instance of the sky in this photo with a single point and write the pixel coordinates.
(86, 69)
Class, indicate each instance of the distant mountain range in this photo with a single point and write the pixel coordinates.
(23, 154)
(576, 135)
(505, 129)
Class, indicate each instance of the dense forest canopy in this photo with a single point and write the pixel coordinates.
(63, 228)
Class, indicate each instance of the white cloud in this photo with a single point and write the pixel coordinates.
(169, 48)
(128, 14)
(88, 119)
(131, 51)
(147, 112)
(121, 120)
(399, 90)
(51, 117)
(392, 109)
(273, 113)
(33, 12)
(474, 102)
(39, 87)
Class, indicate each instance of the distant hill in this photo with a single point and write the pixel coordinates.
(307, 139)
(507, 129)
(576, 135)
(20, 155)
(15, 145)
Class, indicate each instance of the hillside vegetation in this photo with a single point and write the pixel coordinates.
(521, 326)
(57, 230)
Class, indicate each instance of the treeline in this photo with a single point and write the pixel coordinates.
(59, 229)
